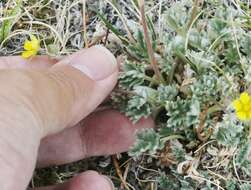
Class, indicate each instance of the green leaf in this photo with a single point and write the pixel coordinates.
(243, 153)
(8, 24)
(178, 44)
(133, 75)
(182, 114)
(228, 131)
(112, 28)
(246, 167)
(167, 183)
(216, 28)
(246, 45)
(172, 23)
(231, 185)
(137, 108)
(179, 153)
(147, 141)
(245, 186)
(53, 49)
(231, 54)
(165, 132)
(166, 93)
(201, 60)
(206, 88)
(146, 92)
(150, 25)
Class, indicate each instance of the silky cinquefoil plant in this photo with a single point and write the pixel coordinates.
(185, 63)
(194, 80)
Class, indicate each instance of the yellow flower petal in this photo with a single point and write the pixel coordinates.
(245, 98)
(247, 107)
(35, 42)
(31, 46)
(28, 45)
(242, 115)
(243, 106)
(28, 54)
(249, 114)
(237, 105)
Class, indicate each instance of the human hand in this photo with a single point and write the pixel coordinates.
(40, 101)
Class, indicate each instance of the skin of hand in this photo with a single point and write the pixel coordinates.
(43, 103)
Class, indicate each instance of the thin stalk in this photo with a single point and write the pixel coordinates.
(237, 45)
(151, 79)
(130, 36)
(194, 13)
(84, 24)
(135, 7)
(47, 26)
(190, 28)
(216, 40)
(172, 137)
(153, 60)
(119, 172)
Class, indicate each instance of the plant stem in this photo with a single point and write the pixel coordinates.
(151, 79)
(84, 24)
(148, 42)
(172, 137)
(114, 6)
(194, 13)
(119, 172)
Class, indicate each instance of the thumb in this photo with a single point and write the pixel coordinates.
(36, 103)
(64, 94)
(83, 81)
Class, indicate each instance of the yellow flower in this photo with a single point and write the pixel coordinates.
(31, 47)
(242, 106)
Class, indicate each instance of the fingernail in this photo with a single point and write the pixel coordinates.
(110, 182)
(96, 62)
